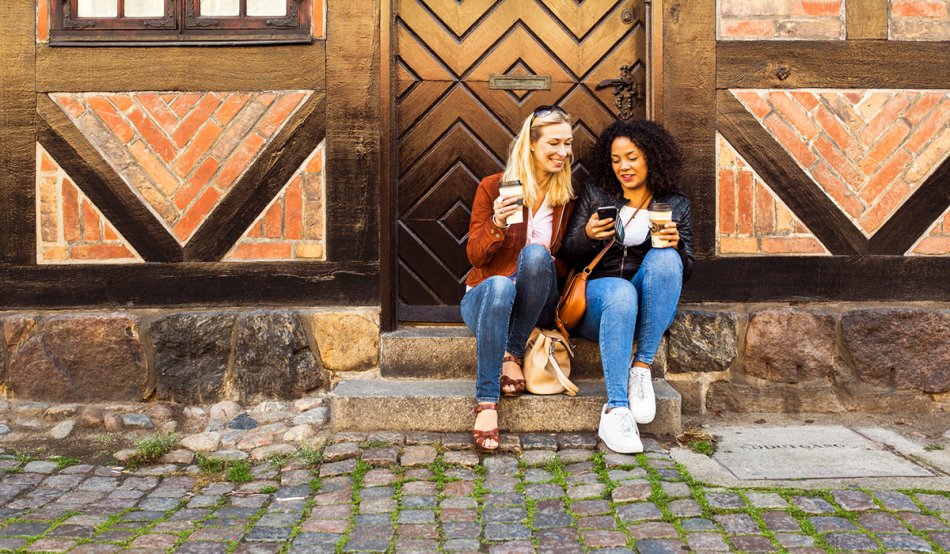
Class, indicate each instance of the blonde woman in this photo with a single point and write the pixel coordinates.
(513, 284)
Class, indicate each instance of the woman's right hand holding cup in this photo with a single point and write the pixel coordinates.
(504, 207)
(599, 229)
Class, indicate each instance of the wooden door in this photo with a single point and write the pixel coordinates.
(456, 113)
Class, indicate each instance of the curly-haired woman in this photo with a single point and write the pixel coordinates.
(512, 286)
(634, 290)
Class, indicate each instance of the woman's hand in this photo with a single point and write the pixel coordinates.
(670, 234)
(599, 229)
(504, 208)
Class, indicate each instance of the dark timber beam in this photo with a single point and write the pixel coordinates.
(832, 64)
(185, 68)
(916, 215)
(783, 175)
(689, 83)
(820, 279)
(189, 284)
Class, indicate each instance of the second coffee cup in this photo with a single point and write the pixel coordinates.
(660, 215)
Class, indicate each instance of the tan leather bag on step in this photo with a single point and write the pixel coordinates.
(547, 363)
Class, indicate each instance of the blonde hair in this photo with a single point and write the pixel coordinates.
(520, 164)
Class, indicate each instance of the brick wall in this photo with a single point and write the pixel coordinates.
(181, 152)
(781, 19)
(868, 150)
(826, 20)
(919, 20)
(70, 228)
(292, 226)
(751, 219)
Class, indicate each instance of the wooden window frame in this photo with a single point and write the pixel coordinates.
(182, 24)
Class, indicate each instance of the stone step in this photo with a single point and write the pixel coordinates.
(448, 352)
(445, 405)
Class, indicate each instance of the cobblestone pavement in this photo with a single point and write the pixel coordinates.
(428, 492)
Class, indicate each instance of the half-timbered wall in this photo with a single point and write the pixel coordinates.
(232, 173)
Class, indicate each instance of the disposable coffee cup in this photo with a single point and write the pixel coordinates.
(509, 189)
(660, 215)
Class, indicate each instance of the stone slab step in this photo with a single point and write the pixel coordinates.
(448, 352)
(445, 405)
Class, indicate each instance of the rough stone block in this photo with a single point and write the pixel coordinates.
(789, 345)
(902, 348)
(81, 359)
(15, 329)
(191, 356)
(772, 397)
(272, 357)
(703, 341)
(347, 340)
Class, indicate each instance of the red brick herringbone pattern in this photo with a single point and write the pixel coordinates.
(292, 225)
(937, 240)
(751, 220)
(70, 229)
(181, 152)
(869, 150)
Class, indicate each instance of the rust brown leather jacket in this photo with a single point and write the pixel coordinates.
(493, 251)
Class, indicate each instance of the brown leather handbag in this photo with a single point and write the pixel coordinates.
(573, 302)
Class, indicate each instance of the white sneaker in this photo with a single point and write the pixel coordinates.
(618, 431)
(640, 394)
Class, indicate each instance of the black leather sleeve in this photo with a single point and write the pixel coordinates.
(684, 224)
(577, 249)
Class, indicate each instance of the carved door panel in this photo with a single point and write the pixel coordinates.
(458, 67)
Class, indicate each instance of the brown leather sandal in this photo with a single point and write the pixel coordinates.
(518, 384)
(479, 437)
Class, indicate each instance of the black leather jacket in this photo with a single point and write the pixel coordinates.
(578, 250)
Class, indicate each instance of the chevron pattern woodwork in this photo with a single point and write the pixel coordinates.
(936, 242)
(453, 128)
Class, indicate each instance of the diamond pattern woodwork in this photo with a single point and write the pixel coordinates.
(181, 151)
(936, 242)
(751, 219)
(869, 150)
(454, 129)
(292, 227)
(70, 229)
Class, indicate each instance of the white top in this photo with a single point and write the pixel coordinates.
(636, 230)
(541, 224)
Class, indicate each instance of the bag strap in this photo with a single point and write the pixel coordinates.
(590, 267)
(570, 388)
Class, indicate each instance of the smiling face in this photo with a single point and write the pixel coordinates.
(552, 150)
(629, 164)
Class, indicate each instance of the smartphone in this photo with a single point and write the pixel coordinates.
(607, 212)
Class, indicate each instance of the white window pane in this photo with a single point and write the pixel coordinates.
(221, 7)
(266, 7)
(98, 8)
(144, 8)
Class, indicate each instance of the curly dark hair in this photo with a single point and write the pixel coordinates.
(663, 155)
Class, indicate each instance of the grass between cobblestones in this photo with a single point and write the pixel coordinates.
(658, 469)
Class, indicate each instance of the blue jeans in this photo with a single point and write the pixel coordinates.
(502, 311)
(619, 310)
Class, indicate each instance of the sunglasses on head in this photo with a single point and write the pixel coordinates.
(542, 111)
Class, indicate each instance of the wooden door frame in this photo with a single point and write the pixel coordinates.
(388, 140)
(387, 170)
